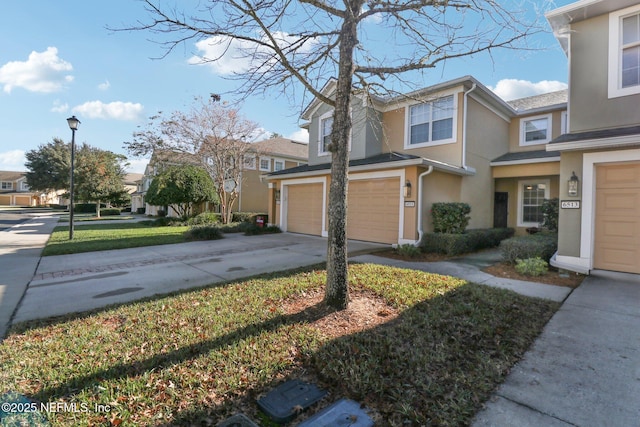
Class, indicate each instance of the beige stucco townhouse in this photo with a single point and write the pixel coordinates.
(600, 222)
(14, 191)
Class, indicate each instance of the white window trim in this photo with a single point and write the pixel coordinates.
(547, 184)
(24, 186)
(326, 115)
(407, 122)
(615, 53)
(268, 169)
(524, 120)
(6, 185)
(276, 162)
(564, 123)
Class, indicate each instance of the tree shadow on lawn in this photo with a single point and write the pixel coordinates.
(435, 364)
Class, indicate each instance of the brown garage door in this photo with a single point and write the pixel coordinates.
(617, 225)
(374, 210)
(23, 200)
(304, 208)
(5, 200)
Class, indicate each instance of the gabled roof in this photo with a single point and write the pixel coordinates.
(11, 175)
(549, 100)
(283, 147)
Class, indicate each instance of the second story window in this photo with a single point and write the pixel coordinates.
(278, 165)
(265, 164)
(431, 122)
(326, 126)
(249, 161)
(24, 186)
(624, 52)
(6, 185)
(535, 130)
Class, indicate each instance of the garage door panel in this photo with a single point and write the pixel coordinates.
(373, 213)
(304, 209)
(617, 227)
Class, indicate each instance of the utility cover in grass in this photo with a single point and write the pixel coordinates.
(238, 420)
(287, 400)
(18, 410)
(344, 412)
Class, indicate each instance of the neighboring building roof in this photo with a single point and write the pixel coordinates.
(545, 100)
(11, 175)
(132, 178)
(284, 147)
(526, 157)
(177, 157)
(631, 131)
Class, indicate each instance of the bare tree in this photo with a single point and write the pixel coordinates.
(215, 133)
(290, 44)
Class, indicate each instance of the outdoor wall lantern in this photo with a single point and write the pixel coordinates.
(277, 195)
(73, 125)
(574, 183)
(407, 189)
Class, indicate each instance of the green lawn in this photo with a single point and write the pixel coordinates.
(100, 237)
(198, 357)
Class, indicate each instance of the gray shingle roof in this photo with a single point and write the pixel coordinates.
(597, 134)
(526, 155)
(379, 159)
(540, 101)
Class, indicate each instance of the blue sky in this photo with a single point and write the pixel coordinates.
(57, 59)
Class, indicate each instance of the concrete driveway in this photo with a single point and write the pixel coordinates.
(73, 283)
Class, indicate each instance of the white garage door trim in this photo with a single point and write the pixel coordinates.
(589, 197)
(284, 193)
(388, 174)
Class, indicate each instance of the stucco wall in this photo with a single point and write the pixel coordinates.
(589, 51)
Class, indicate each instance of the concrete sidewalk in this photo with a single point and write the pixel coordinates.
(20, 248)
(584, 369)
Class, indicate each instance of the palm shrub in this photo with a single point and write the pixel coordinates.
(532, 266)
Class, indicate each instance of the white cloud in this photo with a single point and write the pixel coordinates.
(301, 135)
(137, 165)
(227, 56)
(42, 72)
(104, 86)
(114, 110)
(59, 107)
(13, 160)
(509, 89)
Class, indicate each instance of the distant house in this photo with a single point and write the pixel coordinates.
(14, 191)
(260, 157)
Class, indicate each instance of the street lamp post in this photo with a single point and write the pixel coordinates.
(73, 125)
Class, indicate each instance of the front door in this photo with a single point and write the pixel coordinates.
(500, 209)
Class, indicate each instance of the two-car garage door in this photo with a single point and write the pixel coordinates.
(373, 209)
(617, 224)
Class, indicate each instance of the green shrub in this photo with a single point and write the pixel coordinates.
(205, 218)
(542, 245)
(203, 232)
(407, 250)
(532, 266)
(110, 211)
(168, 221)
(253, 230)
(470, 241)
(86, 207)
(245, 216)
(234, 227)
(450, 217)
(141, 211)
(550, 211)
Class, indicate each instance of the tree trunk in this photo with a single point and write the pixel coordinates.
(98, 209)
(337, 286)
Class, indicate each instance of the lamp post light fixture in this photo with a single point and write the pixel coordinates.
(573, 183)
(73, 125)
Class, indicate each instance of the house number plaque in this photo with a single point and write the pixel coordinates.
(570, 204)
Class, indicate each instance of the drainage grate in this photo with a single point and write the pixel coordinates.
(284, 402)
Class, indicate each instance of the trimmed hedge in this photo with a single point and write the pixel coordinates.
(203, 232)
(109, 211)
(246, 216)
(469, 241)
(450, 217)
(542, 245)
(86, 207)
(205, 218)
